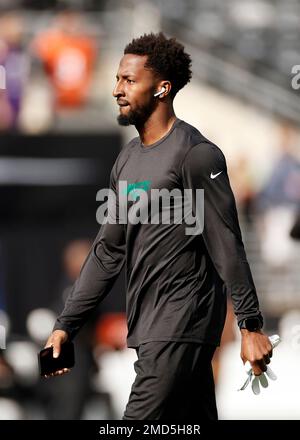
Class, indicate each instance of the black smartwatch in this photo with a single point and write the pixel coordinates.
(251, 324)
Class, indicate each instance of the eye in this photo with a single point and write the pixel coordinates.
(130, 81)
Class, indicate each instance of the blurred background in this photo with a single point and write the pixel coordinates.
(58, 141)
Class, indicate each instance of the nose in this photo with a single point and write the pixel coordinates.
(118, 90)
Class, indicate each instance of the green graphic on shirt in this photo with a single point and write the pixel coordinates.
(134, 188)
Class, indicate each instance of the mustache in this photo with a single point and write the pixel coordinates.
(120, 102)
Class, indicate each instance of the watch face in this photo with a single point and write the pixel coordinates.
(252, 324)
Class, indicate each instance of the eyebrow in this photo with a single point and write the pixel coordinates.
(126, 75)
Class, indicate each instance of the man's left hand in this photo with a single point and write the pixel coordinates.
(257, 349)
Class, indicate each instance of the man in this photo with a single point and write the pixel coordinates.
(176, 282)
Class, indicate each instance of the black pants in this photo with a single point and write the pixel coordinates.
(174, 381)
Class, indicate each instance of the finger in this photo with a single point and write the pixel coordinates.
(56, 349)
(263, 380)
(262, 366)
(271, 353)
(267, 359)
(55, 373)
(258, 367)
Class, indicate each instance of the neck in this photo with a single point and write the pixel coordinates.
(156, 126)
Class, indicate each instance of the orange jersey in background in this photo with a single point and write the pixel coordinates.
(69, 60)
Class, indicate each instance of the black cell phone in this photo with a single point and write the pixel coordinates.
(48, 364)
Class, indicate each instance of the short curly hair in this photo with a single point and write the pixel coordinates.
(166, 57)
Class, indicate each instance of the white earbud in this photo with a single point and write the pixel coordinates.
(162, 90)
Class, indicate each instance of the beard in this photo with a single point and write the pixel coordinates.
(139, 116)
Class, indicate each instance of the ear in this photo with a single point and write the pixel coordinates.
(163, 89)
(167, 86)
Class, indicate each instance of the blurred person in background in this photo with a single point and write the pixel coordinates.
(66, 399)
(68, 55)
(10, 409)
(283, 185)
(115, 361)
(279, 201)
(16, 63)
(176, 282)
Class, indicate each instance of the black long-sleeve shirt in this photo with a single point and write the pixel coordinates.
(176, 282)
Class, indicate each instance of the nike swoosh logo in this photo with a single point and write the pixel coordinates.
(213, 176)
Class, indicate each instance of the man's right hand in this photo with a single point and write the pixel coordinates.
(55, 340)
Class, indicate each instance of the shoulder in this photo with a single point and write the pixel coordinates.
(197, 146)
(187, 135)
(204, 155)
